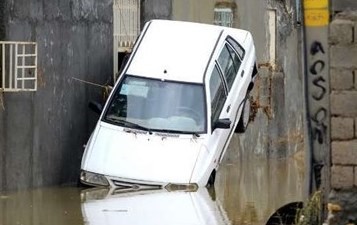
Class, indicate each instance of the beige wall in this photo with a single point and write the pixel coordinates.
(193, 10)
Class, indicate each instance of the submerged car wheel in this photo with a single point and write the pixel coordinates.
(244, 118)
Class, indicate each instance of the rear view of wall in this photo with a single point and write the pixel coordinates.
(343, 72)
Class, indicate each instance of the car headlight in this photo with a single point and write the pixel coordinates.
(93, 178)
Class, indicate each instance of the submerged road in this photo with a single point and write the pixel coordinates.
(247, 191)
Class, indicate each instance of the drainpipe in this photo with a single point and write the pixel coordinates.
(298, 7)
(303, 63)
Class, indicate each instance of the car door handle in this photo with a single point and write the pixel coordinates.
(242, 73)
(228, 108)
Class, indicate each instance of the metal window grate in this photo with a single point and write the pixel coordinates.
(126, 28)
(126, 23)
(223, 17)
(18, 66)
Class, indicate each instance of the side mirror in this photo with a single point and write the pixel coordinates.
(95, 107)
(222, 123)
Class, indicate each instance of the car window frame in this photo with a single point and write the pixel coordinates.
(228, 46)
(234, 65)
(221, 78)
(236, 46)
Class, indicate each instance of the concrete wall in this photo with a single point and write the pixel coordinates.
(341, 5)
(42, 133)
(200, 11)
(278, 128)
(2, 36)
(343, 72)
(155, 9)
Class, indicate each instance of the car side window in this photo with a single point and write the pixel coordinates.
(218, 94)
(237, 47)
(229, 63)
(235, 58)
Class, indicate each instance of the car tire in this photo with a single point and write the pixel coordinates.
(245, 116)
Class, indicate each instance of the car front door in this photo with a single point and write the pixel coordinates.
(220, 109)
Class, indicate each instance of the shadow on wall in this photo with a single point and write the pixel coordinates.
(155, 9)
(2, 20)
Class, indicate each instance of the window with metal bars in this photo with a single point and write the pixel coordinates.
(126, 28)
(223, 17)
(18, 66)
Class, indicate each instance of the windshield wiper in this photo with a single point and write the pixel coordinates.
(177, 132)
(128, 124)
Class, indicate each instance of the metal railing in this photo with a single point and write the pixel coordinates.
(126, 23)
(18, 66)
(223, 17)
(126, 28)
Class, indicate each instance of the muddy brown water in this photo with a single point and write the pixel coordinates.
(246, 192)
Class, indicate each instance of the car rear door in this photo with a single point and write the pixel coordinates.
(230, 72)
(232, 67)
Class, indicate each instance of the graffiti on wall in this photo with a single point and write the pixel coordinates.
(318, 116)
(316, 18)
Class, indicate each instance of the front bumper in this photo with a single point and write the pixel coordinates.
(94, 179)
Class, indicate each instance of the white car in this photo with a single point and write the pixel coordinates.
(175, 106)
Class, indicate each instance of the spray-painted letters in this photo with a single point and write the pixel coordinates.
(318, 92)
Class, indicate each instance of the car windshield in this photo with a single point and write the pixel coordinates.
(158, 105)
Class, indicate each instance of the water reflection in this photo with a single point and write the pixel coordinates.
(247, 191)
(152, 207)
(55, 206)
(252, 190)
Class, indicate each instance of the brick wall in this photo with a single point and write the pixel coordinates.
(343, 97)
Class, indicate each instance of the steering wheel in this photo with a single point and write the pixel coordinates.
(190, 113)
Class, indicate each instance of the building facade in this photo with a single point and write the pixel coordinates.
(343, 82)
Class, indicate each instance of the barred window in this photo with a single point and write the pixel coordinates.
(223, 17)
(18, 66)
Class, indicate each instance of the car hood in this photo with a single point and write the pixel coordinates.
(112, 151)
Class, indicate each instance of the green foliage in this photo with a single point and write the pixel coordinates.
(310, 214)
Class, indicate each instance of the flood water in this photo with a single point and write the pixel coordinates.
(247, 191)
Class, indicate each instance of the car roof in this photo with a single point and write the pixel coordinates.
(177, 50)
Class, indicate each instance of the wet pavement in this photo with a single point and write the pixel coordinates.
(247, 191)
